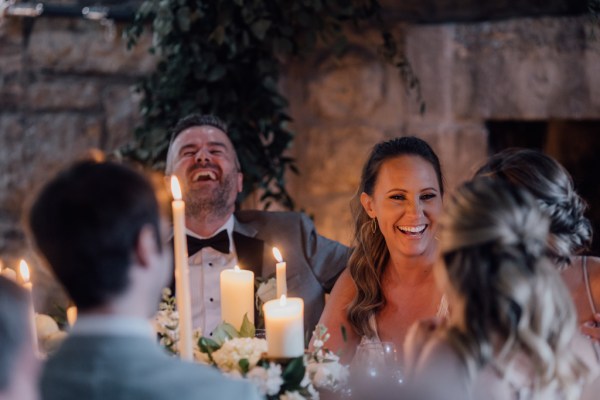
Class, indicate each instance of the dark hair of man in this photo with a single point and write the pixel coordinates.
(370, 254)
(87, 221)
(13, 327)
(198, 120)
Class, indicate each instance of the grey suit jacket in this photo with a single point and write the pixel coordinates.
(106, 367)
(313, 261)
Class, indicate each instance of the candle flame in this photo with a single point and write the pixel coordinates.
(277, 254)
(236, 269)
(175, 188)
(24, 270)
(282, 300)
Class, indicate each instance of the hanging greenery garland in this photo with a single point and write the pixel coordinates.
(224, 57)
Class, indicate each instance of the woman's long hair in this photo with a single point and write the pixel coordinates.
(552, 186)
(493, 244)
(371, 255)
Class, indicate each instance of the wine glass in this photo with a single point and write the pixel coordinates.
(374, 368)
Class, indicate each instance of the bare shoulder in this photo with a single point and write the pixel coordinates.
(593, 264)
(593, 267)
(343, 339)
(338, 301)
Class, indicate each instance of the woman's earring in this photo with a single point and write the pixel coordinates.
(374, 225)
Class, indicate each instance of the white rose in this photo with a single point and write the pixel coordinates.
(267, 290)
(268, 380)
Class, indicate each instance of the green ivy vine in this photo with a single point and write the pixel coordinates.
(224, 57)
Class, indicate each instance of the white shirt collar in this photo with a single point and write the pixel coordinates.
(112, 325)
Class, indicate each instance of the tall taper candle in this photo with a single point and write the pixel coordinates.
(24, 271)
(280, 274)
(182, 274)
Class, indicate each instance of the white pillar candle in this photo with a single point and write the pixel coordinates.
(25, 275)
(182, 274)
(237, 296)
(71, 315)
(280, 274)
(284, 323)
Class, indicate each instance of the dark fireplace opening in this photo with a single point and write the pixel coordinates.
(574, 143)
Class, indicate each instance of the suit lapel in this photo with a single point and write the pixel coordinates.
(249, 252)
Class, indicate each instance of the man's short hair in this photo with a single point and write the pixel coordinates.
(14, 329)
(87, 221)
(197, 120)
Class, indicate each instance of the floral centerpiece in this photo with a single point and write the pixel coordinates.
(240, 354)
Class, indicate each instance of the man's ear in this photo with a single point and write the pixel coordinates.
(146, 246)
(367, 203)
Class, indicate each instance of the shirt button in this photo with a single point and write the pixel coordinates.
(210, 264)
(211, 299)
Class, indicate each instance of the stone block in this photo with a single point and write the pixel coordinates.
(121, 106)
(330, 158)
(53, 140)
(332, 217)
(64, 94)
(85, 49)
(460, 146)
(347, 87)
(429, 50)
(523, 69)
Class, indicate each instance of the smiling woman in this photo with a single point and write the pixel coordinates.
(389, 281)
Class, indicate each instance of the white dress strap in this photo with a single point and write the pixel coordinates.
(442, 311)
(588, 287)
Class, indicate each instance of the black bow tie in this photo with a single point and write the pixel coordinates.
(219, 242)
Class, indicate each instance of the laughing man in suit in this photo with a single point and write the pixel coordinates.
(99, 227)
(203, 158)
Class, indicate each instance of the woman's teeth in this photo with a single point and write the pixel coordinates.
(412, 229)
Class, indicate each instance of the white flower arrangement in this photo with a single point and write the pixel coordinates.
(240, 354)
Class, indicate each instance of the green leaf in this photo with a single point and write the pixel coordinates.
(208, 345)
(244, 365)
(247, 330)
(216, 73)
(294, 372)
(183, 19)
(224, 332)
(260, 28)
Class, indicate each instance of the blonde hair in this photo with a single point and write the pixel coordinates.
(493, 241)
(550, 183)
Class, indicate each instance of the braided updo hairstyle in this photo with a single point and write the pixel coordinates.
(552, 186)
(493, 244)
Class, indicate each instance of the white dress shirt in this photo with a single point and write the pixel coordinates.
(205, 289)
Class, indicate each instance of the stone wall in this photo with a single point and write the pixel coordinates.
(65, 87)
(523, 69)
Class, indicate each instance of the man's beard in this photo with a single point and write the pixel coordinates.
(214, 201)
